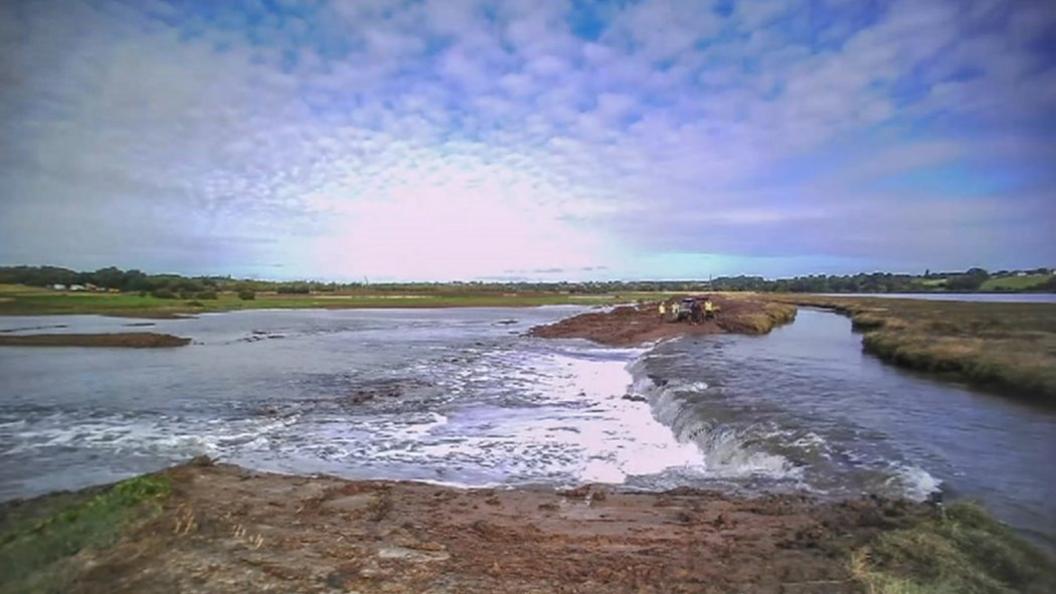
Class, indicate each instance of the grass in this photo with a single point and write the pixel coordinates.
(1009, 347)
(962, 551)
(1014, 283)
(16, 300)
(38, 537)
(758, 322)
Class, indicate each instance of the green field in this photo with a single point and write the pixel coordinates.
(21, 300)
(1014, 283)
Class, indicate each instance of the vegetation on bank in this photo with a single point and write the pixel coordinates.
(38, 537)
(1007, 346)
(963, 550)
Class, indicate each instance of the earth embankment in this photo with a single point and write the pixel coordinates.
(202, 527)
(631, 325)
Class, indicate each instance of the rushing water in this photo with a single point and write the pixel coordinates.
(461, 396)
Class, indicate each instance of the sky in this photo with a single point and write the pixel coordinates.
(528, 139)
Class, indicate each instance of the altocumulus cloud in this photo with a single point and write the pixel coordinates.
(465, 139)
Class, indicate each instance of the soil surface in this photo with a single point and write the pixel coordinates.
(639, 324)
(136, 340)
(225, 529)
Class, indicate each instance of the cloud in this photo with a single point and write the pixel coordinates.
(463, 139)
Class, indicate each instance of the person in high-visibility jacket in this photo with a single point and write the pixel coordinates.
(709, 309)
(663, 310)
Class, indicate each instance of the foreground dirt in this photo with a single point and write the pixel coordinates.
(225, 529)
(640, 324)
(136, 340)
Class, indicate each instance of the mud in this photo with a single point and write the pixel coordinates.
(135, 340)
(639, 324)
(226, 529)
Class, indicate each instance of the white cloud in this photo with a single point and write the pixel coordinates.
(358, 126)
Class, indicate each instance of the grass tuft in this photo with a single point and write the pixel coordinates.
(39, 537)
(962, 551)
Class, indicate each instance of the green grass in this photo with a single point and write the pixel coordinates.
(1010, 347)
(963, 551)
(38, 537)
(1014, 283)
(30, 301)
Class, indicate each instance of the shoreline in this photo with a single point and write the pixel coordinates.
(211, 527)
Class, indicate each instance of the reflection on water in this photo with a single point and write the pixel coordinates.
(462, 397)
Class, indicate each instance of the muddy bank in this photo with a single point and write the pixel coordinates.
(135, 340)
(639, 324)
(220, 528)
(200, 527)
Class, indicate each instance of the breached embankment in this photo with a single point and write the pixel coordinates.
(131, 340)
(631, 325)
(219, 528)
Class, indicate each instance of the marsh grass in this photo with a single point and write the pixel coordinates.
(1009, 347)
(39, 537)
(30, 301)
(962, 551)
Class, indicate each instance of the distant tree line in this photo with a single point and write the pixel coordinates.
(163, 286)
(207, 287)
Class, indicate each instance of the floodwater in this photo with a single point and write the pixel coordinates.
(461, 396)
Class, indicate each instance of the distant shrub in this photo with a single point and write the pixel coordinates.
(206, 295)
(163, 293)
(195, 303)
(293, 290)
(247, 294)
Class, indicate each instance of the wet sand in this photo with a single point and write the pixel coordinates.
(225, 529)
(640, 324)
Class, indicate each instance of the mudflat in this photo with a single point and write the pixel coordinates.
(134, 340)
(632, 325)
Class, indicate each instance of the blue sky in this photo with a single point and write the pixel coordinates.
(460, 139)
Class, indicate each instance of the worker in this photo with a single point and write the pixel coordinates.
(709, 308)
(694, 312)
(663, 310)
(676, 311)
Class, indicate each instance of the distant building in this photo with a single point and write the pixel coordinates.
(58, 287)
(76, 287)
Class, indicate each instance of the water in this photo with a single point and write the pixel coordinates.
(985, 297)
(462, 397)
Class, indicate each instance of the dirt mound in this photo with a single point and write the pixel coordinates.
(225, 529)
(638, 324)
